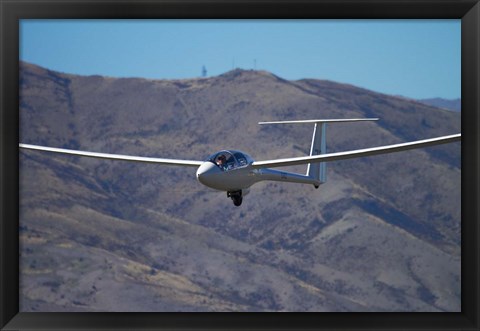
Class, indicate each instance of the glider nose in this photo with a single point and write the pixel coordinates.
(206, 172)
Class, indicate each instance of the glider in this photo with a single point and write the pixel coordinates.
(235, 172)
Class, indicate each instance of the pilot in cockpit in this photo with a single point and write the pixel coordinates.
(221, 162)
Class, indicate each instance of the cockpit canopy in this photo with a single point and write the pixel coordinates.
(228, 160)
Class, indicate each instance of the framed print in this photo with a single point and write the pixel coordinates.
(247, 165)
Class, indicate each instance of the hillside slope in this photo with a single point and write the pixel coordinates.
(450, 104)
(383, 234)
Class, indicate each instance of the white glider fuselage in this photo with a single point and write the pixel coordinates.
(211, 175)
(242, 177)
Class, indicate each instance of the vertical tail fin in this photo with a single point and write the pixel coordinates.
(318, 171)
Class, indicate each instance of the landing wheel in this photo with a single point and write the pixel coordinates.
(237, 201)
(236, 197)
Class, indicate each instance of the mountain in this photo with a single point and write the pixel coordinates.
(450, 104)
(383, 234)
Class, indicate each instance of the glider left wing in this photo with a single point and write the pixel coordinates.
(357, 153)
(187, 163)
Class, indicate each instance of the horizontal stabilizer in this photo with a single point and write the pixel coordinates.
(321, 121)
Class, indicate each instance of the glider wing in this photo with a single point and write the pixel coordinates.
(187, 163)
(357, 153)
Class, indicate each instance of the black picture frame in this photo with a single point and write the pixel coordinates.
(12, 11)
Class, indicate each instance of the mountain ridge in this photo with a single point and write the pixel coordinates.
(450, 104)
(330, 249)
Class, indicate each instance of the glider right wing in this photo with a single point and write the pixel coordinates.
(357, 153)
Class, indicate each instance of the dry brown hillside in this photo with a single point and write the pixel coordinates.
(383, 234)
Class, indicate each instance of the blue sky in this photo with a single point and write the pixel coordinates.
(413, 58)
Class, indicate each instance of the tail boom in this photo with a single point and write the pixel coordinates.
(284, 176)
